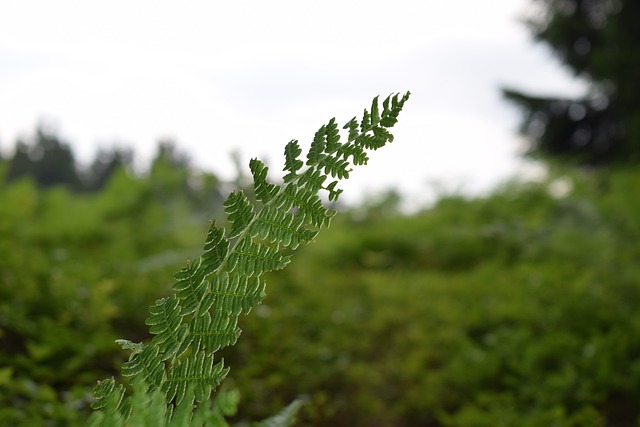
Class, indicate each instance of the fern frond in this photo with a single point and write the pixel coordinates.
(237, 294)
(375, 112)
(147, 365)
(353, 127)
(292, 162)
(312, 180)
(216, 248)
(213, 333)
(316, 152)
(335, 166)
(356, 152)
(240, 212)
(200, 371)
(281, 228)
(306, 202)
(171, 335)
(332, 136)
(191, 286)
(254, 258)
(333, 192)
(201, 317)
(263, 189)
(365, 123)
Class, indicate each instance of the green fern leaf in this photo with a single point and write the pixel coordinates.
(281, 228)
(335, 166)
(312, 179)
(201, 371)
(216, 248)
(353, 126)
(171, 335)
(213, 333)
(390, 114)
(332, 135)
(355, 151)
(316, 152)
(237, 294)
(191, 286)
(307, 203)
(372, 142)
(240, 212)
(147, 365)
(201, 317)
(254, 258)
(365, 123)
(375, 112)
(333, 192)
(292, 163)
(263, 189)
(311, 207)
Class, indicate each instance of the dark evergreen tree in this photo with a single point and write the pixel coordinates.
(20, 164)
(599, 40)
(54, 162)
(103, 167)
(48, 161)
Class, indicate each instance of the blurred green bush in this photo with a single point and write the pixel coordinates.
(519, 308)
(78, 271)
(515, 309)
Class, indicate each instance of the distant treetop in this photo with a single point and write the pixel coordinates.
(599, 40)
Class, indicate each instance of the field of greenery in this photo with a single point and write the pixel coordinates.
(518, 308)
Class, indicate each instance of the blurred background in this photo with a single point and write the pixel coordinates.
(485, 269)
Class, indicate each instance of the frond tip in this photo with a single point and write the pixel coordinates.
(201, 316)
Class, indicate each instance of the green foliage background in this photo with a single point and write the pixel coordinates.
(516, 309)
(78, 271)
(519, 308)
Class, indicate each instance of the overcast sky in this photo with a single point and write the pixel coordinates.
(252, 75)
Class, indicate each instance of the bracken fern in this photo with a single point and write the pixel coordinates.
(178, 366)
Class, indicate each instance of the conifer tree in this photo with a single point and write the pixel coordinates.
(599, 41)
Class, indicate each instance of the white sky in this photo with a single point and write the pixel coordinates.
(252, 75)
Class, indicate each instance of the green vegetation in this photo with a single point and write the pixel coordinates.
(516, 309)
(519, 308)
(75, 270)
(201, 316)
